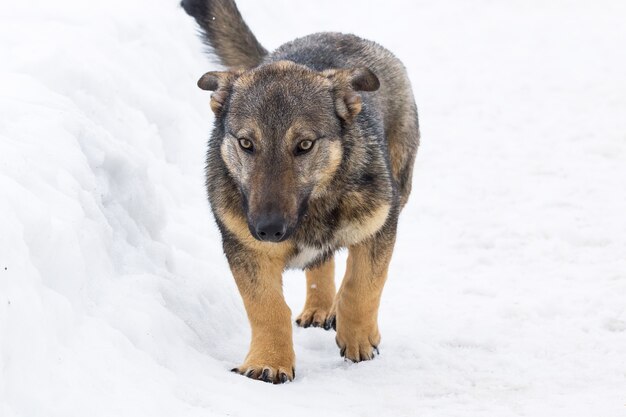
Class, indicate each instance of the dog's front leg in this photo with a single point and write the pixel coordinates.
(359, 296)
(271, 357)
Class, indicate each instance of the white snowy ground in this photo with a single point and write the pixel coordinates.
(507, 291)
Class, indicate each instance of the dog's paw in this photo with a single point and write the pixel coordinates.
(357, 343)
(266, 372)
(313, 317)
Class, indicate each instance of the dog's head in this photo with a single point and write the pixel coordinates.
(283, 126)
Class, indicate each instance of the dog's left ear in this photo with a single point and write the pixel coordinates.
(346, 85)
(221, 83)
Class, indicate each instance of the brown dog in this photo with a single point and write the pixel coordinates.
(312, 150)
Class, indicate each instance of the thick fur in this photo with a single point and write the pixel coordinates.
(351, 99)
(226, 33)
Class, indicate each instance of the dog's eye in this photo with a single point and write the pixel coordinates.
(304, 146)
(246, 144)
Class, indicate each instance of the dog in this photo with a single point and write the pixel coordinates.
(312, 150)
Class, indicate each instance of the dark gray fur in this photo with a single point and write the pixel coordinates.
(379, 148)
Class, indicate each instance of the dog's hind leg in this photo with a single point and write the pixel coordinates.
(331, 320)
(404, 138)
(320, 292)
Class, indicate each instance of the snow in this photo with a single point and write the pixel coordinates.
(507, 290)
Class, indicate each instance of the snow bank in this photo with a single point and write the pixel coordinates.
(507, 289)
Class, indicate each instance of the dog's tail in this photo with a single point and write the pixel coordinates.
(225, 31)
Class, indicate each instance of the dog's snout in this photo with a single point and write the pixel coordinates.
(271, 228)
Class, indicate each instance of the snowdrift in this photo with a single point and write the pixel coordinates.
(506, 293)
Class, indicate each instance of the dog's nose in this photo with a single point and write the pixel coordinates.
(271, 228)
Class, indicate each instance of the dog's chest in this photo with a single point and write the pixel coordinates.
(304, 256)
(348, 233)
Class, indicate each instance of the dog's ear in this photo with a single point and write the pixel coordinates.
(221, 83)
(346, 85)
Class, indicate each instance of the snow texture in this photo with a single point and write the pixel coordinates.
(507, 291)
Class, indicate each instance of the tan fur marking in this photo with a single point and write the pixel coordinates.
(284, 65)
(238, 226)
(361, 229)
(359, 298)
(230, 158)
(320, 292)
(244, 81)
(271, 346)
(299, 129)
(325, 175)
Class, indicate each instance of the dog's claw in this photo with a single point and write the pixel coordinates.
(283, 377)
(266, 375)
(331, 322)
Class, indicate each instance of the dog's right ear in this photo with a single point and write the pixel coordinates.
(221, 83)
